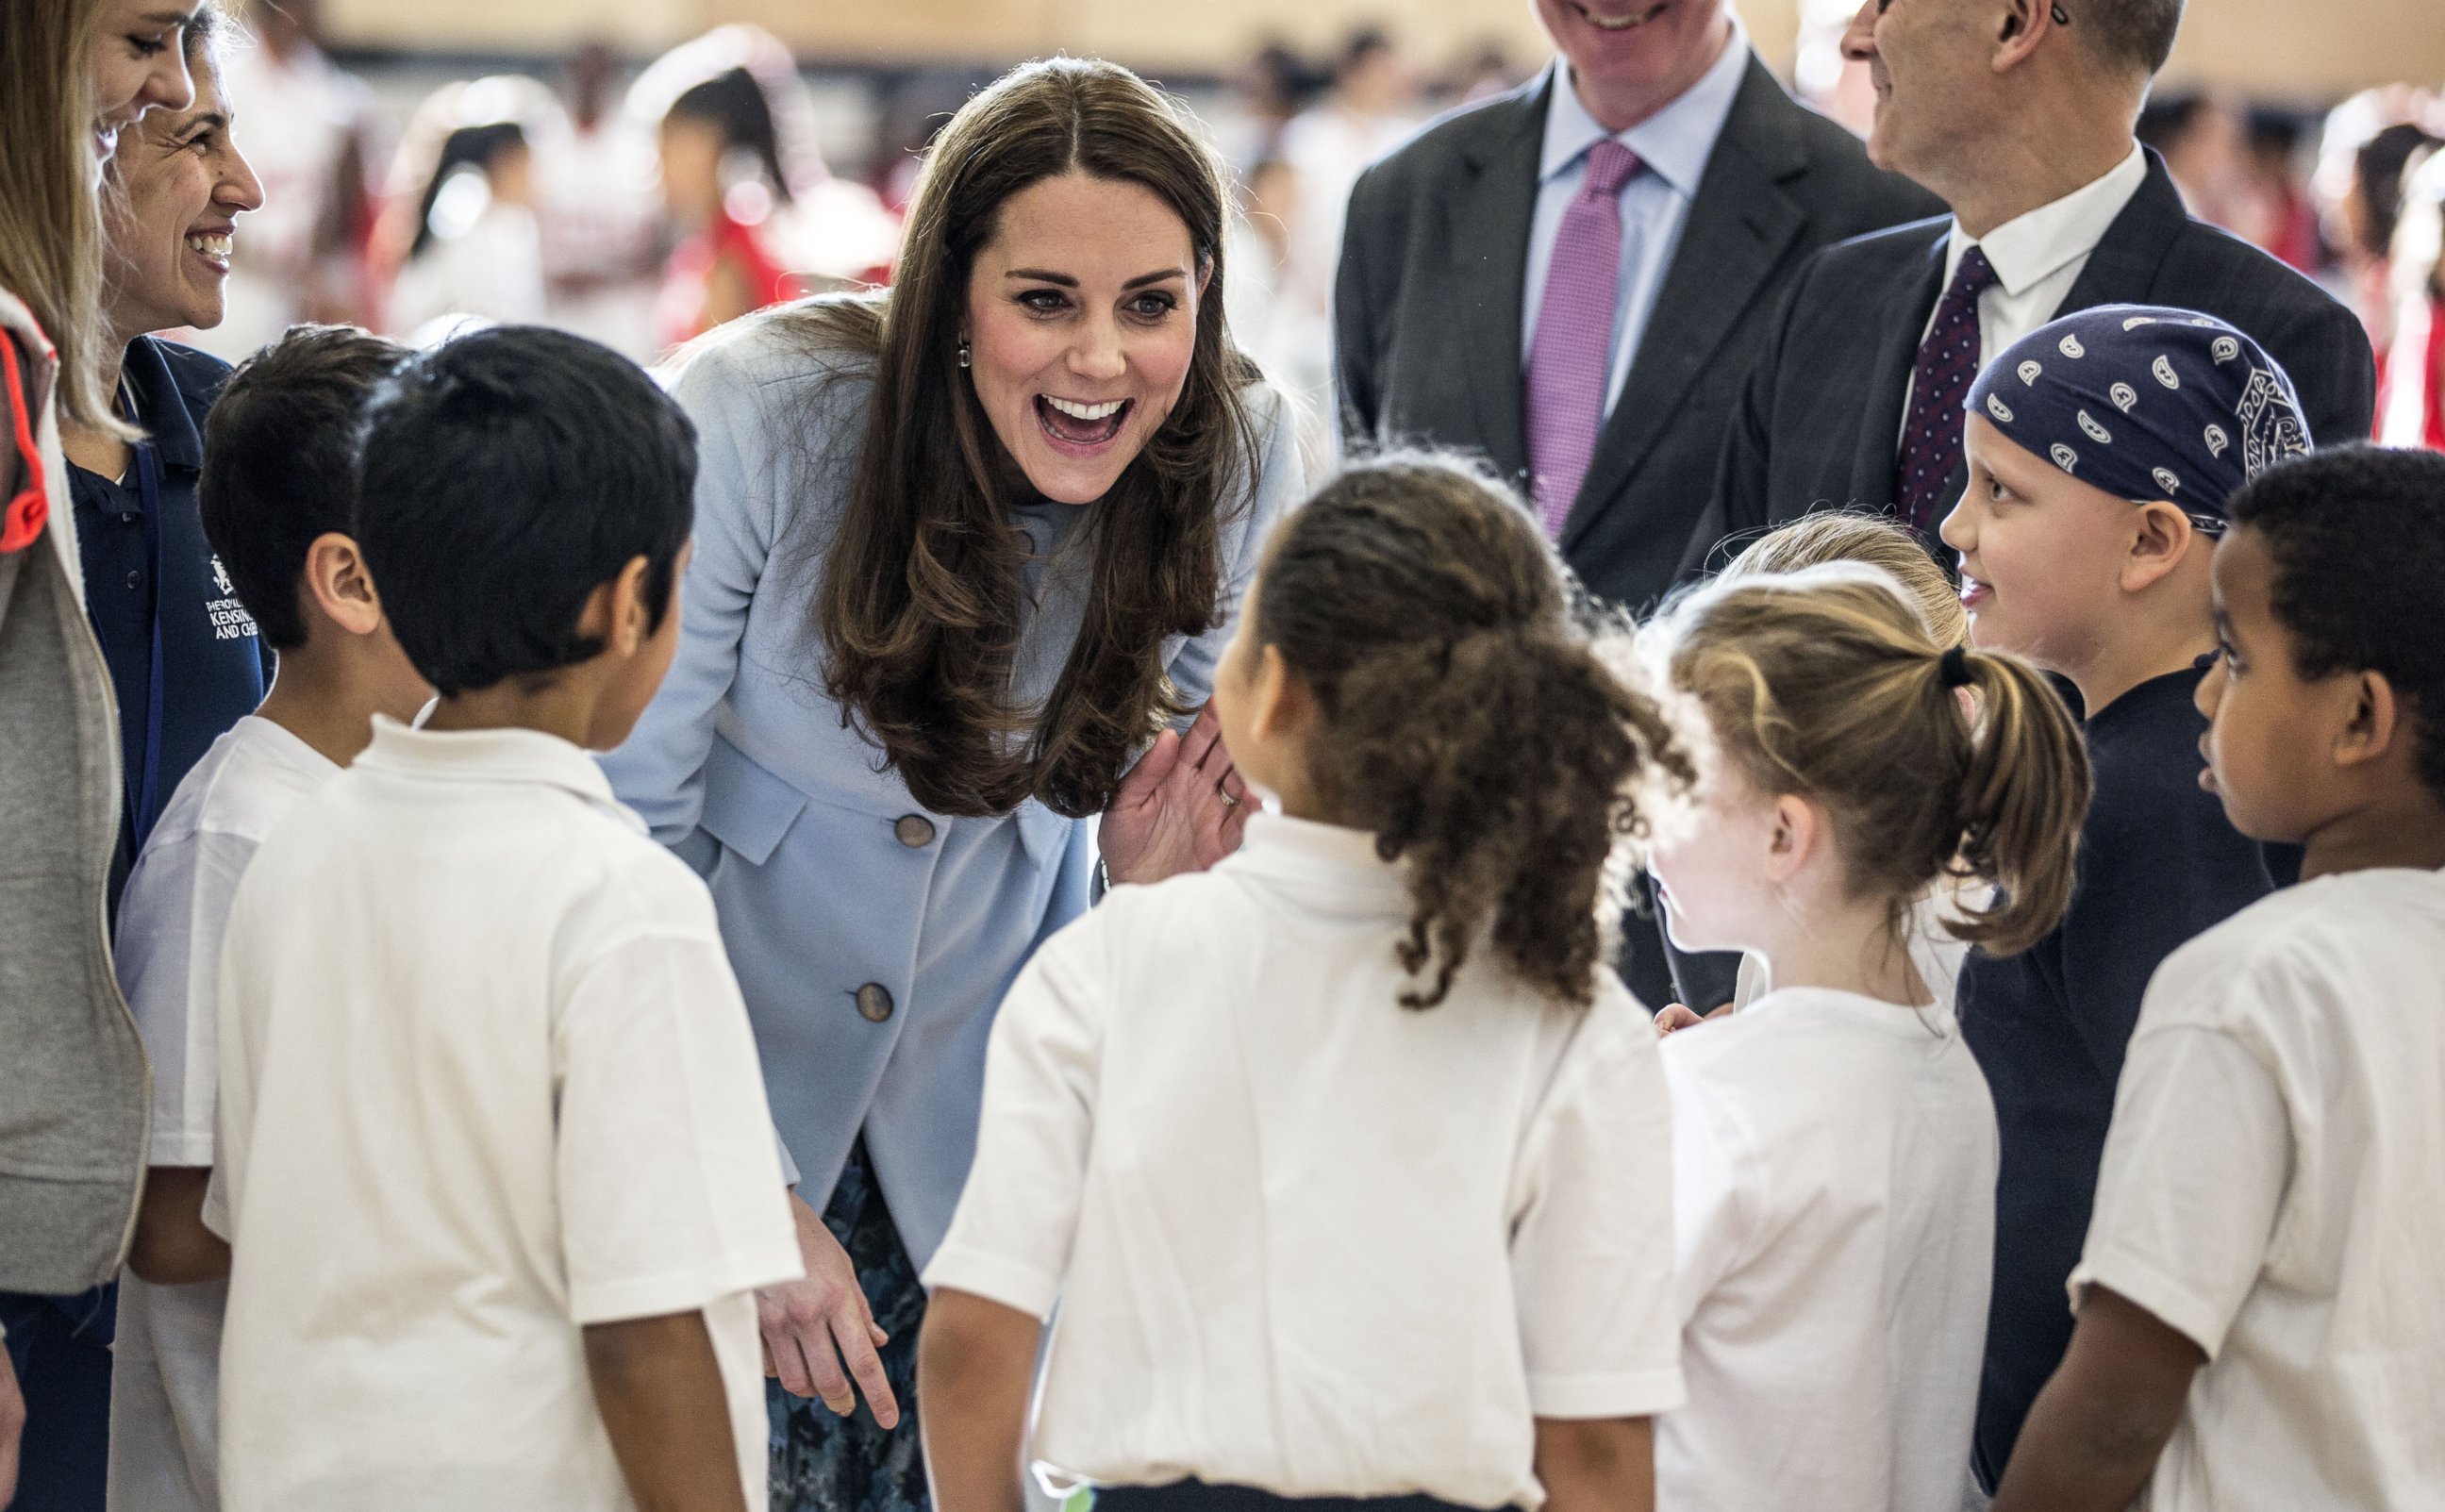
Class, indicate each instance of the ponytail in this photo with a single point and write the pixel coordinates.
(1468, 720)
(1826, 683)
(2023, 799)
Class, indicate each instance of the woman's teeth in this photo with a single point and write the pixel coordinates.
(1622, 23)
(213, 249)
(1080, 424)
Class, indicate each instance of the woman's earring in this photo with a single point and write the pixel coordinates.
(964, 354)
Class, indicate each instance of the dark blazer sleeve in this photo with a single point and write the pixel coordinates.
(1358, 400)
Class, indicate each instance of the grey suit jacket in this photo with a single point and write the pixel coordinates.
(1426, 316)
(1820, 425)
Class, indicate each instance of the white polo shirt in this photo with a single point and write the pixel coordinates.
(1305, 1239)
(1833, 1223)
(166, 1353)
(485, 1079)
(2274, 1188)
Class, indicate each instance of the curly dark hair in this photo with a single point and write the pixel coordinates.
(2357, 534)
(1469, 721)
(922, 586)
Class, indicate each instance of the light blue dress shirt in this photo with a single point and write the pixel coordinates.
(1673, 144)
(872, 940)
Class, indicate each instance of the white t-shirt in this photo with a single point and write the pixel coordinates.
(485, 1079)
(1305, 1239)
(2274, 1188)
(166, 1360)
(1834, 1219)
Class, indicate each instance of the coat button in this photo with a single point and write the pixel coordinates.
(874, 1002)
(135, 577)
(914, 830)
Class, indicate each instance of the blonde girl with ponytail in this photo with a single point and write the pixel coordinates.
(1349, 1159)
(1834, 1144)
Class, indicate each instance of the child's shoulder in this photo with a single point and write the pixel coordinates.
(2332, 931)
(622, 883)
(243, 786)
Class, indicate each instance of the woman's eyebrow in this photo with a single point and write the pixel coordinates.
(1066, 281)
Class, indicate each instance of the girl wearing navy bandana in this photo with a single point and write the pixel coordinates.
(2102, 449)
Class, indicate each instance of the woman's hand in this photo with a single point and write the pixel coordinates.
(813, 1327)
(1182, 807)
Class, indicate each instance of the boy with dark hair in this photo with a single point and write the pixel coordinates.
(2267, 1209)
(496, 1167)
(276, 495)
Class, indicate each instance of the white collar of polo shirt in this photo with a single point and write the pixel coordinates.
(504, 755)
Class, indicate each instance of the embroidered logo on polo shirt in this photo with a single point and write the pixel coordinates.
(229, 617)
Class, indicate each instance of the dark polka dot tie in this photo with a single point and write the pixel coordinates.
(1948, 364)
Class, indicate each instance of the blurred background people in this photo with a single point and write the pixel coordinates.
(598, 209)
(757, 215)
(2411, 409)
(468, 244)
(309, 135)
(1373, 105)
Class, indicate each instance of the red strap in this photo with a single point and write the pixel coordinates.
(22, 520)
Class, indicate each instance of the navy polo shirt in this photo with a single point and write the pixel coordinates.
(214, 668)
(2158, 866)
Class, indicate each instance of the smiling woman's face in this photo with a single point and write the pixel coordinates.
(138, 65)
(1081, 323)
(183, 185)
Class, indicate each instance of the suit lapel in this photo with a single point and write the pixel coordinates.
(1876, 466)
(1486, 228)
(1740, 224)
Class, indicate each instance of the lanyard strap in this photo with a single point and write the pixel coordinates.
(147, 795)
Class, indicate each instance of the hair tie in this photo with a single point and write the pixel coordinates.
(1955, 667)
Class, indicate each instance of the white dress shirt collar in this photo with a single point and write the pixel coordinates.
(1673, 144)
(2029, 247)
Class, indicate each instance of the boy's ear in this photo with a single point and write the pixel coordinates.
(627, 625)
(2375, 725)
(2162, 539)
(339, 586)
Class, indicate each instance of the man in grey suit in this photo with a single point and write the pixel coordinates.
(1573, 280)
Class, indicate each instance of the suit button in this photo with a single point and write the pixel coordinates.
(135, 577)
(874, 1002)
(914, 830)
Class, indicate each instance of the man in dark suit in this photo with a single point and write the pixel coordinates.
(1573, 280)
(2019, 113)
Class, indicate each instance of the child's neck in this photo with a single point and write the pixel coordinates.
(557, 704)
(2129, 661)
(2394, 829)
(320, 697)
(1850, 949)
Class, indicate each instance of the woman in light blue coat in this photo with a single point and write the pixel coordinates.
(962, 552)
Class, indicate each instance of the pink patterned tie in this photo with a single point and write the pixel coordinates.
(1568, 360)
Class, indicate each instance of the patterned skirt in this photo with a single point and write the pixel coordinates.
(822, 1463)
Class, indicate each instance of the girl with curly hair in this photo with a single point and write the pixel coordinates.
(1833, 1143)
(1346, 1159)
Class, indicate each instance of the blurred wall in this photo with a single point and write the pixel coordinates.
(2284, 49)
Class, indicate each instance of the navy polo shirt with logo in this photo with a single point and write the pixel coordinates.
(214, 668)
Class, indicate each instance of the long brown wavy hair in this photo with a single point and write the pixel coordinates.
(922, 584)
(1468, 718)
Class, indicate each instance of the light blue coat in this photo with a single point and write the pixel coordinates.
(743, 766)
